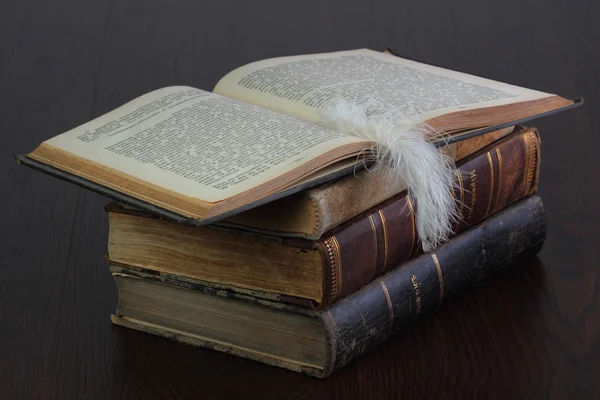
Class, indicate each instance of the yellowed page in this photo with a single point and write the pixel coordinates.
(199, 144)
(302, 85)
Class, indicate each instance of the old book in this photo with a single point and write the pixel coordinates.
(315, 273)
(311, 213)
(196, 157)
(318, 343)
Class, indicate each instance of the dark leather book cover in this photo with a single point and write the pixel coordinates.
(398, 299)
(386, 306)
(385, 237)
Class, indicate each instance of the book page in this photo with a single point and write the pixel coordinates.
(304, 85)
(199, 144)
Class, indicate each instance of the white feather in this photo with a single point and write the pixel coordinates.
(401, 145)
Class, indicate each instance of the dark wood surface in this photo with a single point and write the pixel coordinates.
(534, 332)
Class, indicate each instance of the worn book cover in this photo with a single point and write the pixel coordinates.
(320, 342)
(316, 273)
(311, 213)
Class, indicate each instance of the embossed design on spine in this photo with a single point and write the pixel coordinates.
(418, 300)
(473, 194)
(334, 261)
(491, 163)
(338, 254)
(499, 155)
(315, 211)
(390, 306)
(385, 240)
(531, 158)
(462, 196)
(374, 245)
(413, 224)
(440, 278)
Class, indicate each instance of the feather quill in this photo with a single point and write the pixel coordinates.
(400, 146)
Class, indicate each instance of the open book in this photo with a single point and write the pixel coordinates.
(193, 155)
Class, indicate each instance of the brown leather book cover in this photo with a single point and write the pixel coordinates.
(406, 294)
(384, 237)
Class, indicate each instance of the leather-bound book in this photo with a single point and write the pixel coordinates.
(197, 157)
(320, 342)
(311, 213)
(315, 273)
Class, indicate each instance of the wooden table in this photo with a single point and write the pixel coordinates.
(534, 331)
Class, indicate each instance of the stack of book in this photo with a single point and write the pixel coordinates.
(241, 225)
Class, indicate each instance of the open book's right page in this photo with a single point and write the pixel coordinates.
(303, 85)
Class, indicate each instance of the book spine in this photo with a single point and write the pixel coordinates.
(398, 299)
(369, 188)
(385, 237)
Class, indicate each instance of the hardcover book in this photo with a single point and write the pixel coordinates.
(197, 157)
(319, 342)
(311, 213)
(316, 273)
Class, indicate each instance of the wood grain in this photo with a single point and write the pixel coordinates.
(534, 332)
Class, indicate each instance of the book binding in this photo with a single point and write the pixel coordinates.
(397, 300)
(384, 237)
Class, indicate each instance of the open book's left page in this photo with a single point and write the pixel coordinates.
(190, 142)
